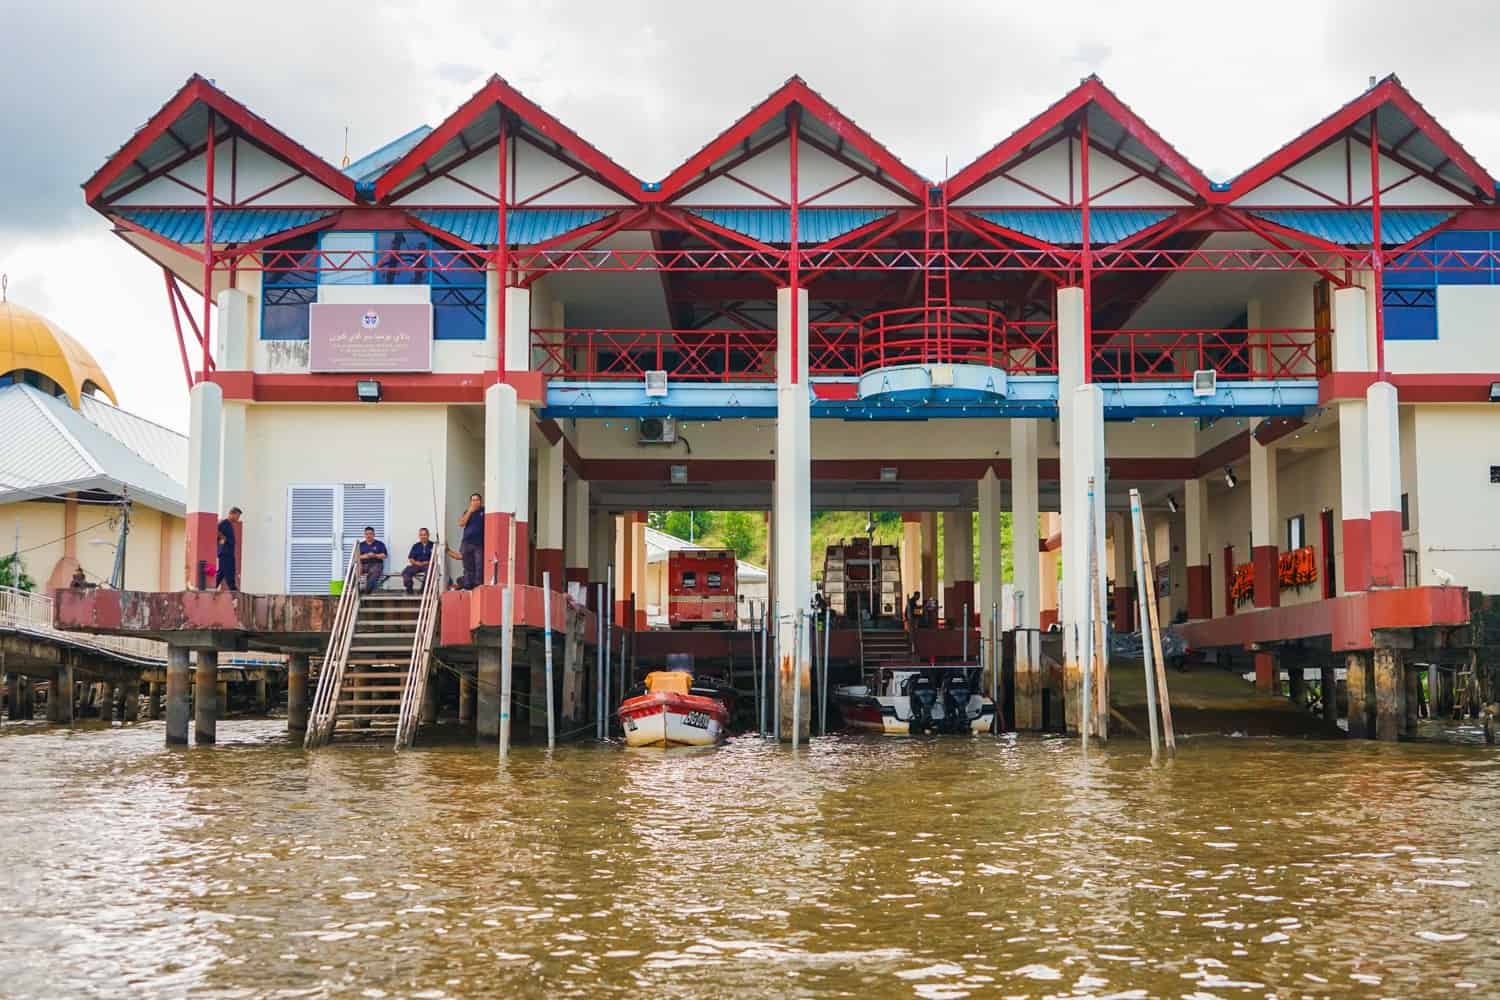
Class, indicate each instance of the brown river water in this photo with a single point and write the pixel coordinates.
(853, 867)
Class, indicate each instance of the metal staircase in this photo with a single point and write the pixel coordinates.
(373, 679)
(885, 648)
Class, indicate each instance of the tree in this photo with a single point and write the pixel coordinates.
(689, 524)
(9, 565)
(738, 531)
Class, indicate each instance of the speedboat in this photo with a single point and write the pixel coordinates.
(671, 709)
(900, 701)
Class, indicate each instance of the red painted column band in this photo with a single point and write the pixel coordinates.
(496, 547)
(523, 554)
(1387, 568)
(1200, 592)
(961, 595)
(1356, 554)
(1122, 609)
(1267, 583)
(202, 550)
(1265, 673)
(551, 561)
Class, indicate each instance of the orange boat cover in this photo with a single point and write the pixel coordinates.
(669, 681)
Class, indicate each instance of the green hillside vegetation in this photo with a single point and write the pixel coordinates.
(745, 532)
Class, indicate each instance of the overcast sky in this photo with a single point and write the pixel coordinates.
(649, 83)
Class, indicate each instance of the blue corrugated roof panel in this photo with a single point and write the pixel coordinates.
(231, 225)
(1354, 226)
(774, 225)
(1064, 226)
(523, 226)
(372, 165)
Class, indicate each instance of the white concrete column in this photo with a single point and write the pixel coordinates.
(911, 555)
(205, 438)
(520, 489)
(958, 566)
(232, 331)
(1264, 537)
(793, 507)
(577, 540)
(1383, 427)
(1199, 576)
(1122, 555)
(517, 334)
(550, 468)
(1083, 410)
(929, 555)
(1351, 340)
(1026, 572)
(502, 438)
(991, 584)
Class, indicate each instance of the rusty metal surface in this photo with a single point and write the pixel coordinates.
(1348, 620)
(135, 612)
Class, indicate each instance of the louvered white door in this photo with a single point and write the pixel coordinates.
(310, 539)
(324, 521)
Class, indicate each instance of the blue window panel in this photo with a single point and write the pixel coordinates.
(458, 313)
(353, 253)
(1410, 313)
(284, 313)
(1463, 240)
(308, 275)
(401, 257)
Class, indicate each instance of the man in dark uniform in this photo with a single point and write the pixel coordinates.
(418, 560)
(372, 553)
(472, 548)
(229, 543)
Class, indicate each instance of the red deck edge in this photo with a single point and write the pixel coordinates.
(435, 387)
(1454, 387)
(1348, 620)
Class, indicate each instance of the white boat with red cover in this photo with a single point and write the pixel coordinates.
(671, 711)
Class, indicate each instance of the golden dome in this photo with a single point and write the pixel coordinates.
(31, 343)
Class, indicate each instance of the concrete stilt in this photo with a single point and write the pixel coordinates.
(223, 703)
(206, 697)
(1267, 671)
(429, 700)
(28, 701)
(487, 697)
(1086, 423)
(1360, 692)
(60, 704)
(13, 696)
(130, 709)
(296, 693)
(262, 695)
(1390, 693)
(1329, 683)
(792, 558)
(153, 700)
(989, 570)
(107, 700)
(1296, 683)
(1026, 570)
(179, 680)
(465, 699)
(1413, 679)
(536, 655)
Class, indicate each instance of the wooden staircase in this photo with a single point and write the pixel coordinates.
(373, 680)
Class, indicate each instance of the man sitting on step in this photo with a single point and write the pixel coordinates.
(372, 553)
(418, 560)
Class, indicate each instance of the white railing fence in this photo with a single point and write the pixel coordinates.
(33, 612)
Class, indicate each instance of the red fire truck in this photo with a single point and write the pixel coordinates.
(701, 588)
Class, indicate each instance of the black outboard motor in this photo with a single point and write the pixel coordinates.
(956, 703)
(923, 695)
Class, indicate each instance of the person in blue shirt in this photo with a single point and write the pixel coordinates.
(471, 550)
(418, 560)
(372, 553)
(228, 577)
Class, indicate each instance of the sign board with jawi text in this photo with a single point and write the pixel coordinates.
(370, 338)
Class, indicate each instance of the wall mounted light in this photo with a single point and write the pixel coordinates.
(1230, 478)
(887, 473)
(367, 390)
(679, 474)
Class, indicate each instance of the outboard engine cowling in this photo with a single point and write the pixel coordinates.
(923, 695)
(956, 695)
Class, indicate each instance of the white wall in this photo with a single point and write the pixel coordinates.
(1467, 340)
(1454, 448)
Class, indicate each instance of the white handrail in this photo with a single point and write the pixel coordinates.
(35, 612)
(414, 692)
(331, 677)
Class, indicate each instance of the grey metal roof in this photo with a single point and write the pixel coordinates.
(50, 449)
(161, 446)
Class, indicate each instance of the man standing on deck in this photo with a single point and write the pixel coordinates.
(471, 550)
(372, 553)
(228, 577)
(418, 560)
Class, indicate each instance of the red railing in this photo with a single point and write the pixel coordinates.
(1156, 355)
(900, 337)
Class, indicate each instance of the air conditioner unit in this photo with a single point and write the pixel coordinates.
(656, 384)
(658, 430)
(1205, 382)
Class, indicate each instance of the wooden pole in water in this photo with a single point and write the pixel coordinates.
(547, 644)
(1143, 558)
(1101, 637)
(609, 623)
(599, 664)
(997, 663)
(1164, 697)
(768, 683)
(754, 670)
(507, 606)
(1084, 643)
(823, 702)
